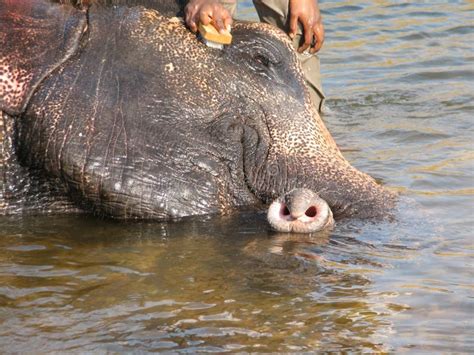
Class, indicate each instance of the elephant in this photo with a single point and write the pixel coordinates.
(122, 112)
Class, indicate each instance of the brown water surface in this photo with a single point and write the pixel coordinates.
(400, 86)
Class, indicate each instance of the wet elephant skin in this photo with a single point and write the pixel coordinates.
(133, 117)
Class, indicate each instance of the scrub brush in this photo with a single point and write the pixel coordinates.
(213, 38)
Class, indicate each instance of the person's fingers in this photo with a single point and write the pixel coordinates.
(190, 16)
(205, 15)
(228, 22)
(314, 42)
(316, 39)
(192, 25)
(293, 25)
(308, 37)
(219, 24)
(319, 36)
(217, 19)
(226, 19)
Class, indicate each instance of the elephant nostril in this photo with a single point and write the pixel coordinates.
(299, 211)
(311, 212)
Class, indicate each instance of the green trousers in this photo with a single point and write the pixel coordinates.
(275, 12)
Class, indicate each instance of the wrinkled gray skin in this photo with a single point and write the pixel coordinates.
(124, 113)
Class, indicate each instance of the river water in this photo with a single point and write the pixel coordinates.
(400, 86)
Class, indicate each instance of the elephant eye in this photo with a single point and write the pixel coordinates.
(261, 59)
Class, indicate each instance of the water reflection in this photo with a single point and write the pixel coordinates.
(199, 285)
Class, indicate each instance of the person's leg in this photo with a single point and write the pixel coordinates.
(230, 5)
(275, 12)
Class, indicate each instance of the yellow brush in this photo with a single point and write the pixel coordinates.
(213, 38)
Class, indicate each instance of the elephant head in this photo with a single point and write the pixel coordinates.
(139, 119)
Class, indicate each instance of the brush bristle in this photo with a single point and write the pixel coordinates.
(211, 44)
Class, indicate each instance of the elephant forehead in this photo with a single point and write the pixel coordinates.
(266, 30)
(36, 37)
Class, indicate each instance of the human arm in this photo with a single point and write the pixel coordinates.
(307, 13)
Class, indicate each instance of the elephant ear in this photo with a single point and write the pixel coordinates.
(36, 37)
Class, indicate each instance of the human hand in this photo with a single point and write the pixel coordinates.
(307, 13)
(205, 12)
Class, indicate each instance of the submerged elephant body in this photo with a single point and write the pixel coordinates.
(125, 113)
